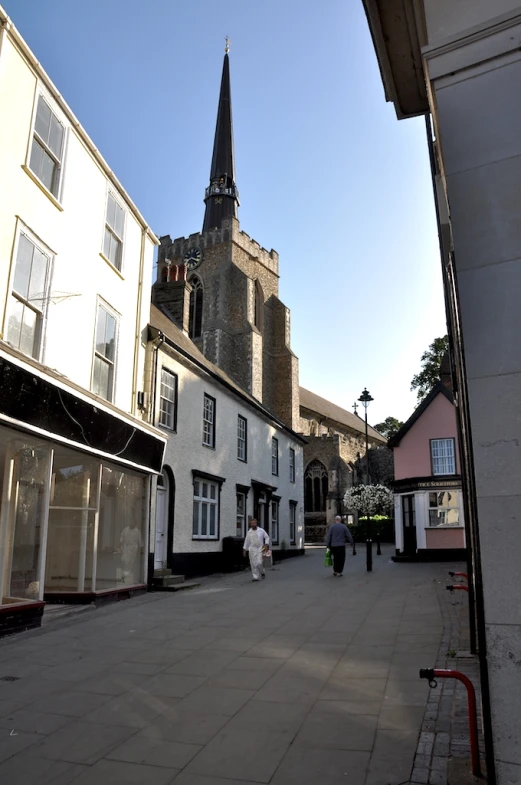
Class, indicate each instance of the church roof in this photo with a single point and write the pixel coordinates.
(177, 339)
(330, 411)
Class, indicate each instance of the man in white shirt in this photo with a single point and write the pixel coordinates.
(256, 543)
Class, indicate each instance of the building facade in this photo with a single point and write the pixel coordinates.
(75, 455)
(334, 459)
(428, 504)
(459, 64)
(228, 459)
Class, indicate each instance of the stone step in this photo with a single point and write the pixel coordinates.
(162, 572)
(185, 586)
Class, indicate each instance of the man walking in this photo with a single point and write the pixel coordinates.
(256, 543)
(337, 538)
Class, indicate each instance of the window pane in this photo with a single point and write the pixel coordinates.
(56, 137)
(14, 327)
(47, 169)
(74, 481)
(38, 276)
(204, 519)
(433, 500)
(101, 380)
(213, 527)
(28, 334)
(22, 273)
(195, 525)
(196, 488)
(100, 330)
(205, 490)
(107, 243)
(111, 211)
(110, 337)
(43, 119)
(118, 223)
(213, 491)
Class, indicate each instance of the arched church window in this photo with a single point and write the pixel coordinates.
(259, 305)
(195, 322)
(316, 487)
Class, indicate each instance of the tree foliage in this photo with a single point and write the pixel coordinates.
(369, 499)
(429, 376)
(389, 427)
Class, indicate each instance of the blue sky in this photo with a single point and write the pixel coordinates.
(327, 175)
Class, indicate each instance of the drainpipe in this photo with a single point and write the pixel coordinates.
(476, 598)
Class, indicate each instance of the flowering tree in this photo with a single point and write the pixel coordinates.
(369, 499)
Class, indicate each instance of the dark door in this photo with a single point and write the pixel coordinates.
(409, 525)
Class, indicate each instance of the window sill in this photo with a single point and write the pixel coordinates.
(166, 428)
(444, 526)
(42, 187)
(242, 460)
(112, 266)
(209, 446)
(204, 538)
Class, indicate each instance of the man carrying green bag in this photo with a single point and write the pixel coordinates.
(328, 561)
(337, 538)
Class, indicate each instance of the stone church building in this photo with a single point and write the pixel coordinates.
(221, 289)
(334, 459)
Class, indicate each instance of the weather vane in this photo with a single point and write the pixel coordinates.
(228, 42)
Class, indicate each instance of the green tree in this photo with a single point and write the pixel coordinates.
(388, 427)
(429, 375)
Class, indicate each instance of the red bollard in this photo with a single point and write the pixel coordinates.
(457, 587)
(431, 674)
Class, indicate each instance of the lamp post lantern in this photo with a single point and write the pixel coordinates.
(365, 399)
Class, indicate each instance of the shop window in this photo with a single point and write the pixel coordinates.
(443, 508)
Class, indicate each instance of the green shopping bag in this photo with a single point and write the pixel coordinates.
(328, 560)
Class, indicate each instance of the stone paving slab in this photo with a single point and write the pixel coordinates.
(301, 679)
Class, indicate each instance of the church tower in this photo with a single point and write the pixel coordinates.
(221, 287)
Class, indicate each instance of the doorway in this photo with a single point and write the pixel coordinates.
(410, 544)
(162, 517)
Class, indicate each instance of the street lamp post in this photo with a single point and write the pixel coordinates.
(365, 399)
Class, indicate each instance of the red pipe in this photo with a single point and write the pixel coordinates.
(459, 575)
(457, 587)
(432, 674)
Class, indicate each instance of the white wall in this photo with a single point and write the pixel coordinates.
(185, 452)
(73, 231)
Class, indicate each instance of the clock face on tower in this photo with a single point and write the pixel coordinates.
(192, 258)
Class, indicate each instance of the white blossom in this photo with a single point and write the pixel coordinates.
(369, 499)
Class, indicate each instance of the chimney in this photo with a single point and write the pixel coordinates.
(173, 295)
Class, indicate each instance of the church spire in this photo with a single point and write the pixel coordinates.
(221, 197)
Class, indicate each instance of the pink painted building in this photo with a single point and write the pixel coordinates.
(428, 508)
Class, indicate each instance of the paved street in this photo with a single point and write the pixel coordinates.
(303, 678)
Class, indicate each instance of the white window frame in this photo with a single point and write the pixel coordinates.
(111, 230)
(209, 422)
(292, 464)
(42, 93)
(242, 439)
(275, 521)
(443, 456)
(275, 456)
(445, 510)
(22, 229)
(111, 312)
(202, 508)
(241, 516)
(168, 412)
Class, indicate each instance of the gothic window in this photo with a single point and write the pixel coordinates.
(195, 323)
(259, 304)
(316, 487)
